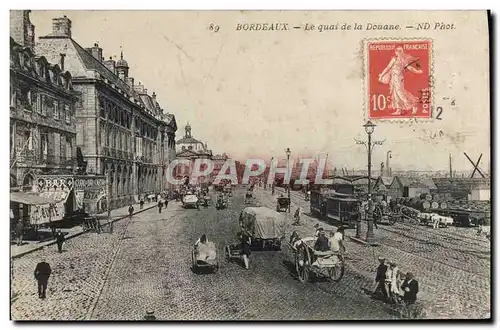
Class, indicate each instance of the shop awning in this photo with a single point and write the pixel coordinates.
(30, 198)
(58, 196)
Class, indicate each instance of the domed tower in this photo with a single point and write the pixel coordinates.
(122, 68)
(188, 130)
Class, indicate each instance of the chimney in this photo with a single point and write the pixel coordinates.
(61, 27)
(139, 88)
(96, 51)
(130, 81)
(110, 64)
(21, 28)
(62, 61)
(154, 96)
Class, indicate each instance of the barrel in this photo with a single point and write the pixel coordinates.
(425, 196)
(437, 197)
(434, 205)
(443, 205)
(419, 204)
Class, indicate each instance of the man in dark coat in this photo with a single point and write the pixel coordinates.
(130, 211)
(410, 288)
(19, 232)
(322, 243)
(60, 240)
(380, 278)
(160, 205)
(42, 274)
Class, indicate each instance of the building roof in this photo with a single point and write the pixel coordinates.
(461, 184)
(82, 63)
(413, 182)
(121, 62)
(386, 180)
(189, 140)
(186, 153)
(169, 118)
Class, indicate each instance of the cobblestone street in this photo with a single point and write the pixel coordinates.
(145, 265)
(152, 272)
(77, 277)
(452, 264)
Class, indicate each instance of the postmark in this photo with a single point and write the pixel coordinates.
(398, 79)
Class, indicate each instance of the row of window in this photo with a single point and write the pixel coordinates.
(42, 70)
(115, 115)
(45, 146)
(42, 104)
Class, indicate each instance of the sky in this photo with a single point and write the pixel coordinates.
(253, 94)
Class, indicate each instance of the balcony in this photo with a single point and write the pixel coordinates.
(105, 151)
(30, 159)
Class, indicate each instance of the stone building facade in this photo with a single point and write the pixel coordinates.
(190, 148)
(42, 110)
(122, 130)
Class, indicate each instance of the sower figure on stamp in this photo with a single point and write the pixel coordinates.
(42, 274)
(393, 75)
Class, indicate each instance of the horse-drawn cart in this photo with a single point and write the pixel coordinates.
(249, 197)
(265, 227)
(283, 204)
(204, 256)
(383, 214)
(329, 264)
(190, 200)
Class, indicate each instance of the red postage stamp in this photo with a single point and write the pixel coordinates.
(399, 79)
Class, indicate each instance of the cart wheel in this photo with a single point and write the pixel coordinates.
(337, 272)
(303, 262)
(227, 253)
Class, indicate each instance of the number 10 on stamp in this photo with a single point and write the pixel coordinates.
(398, 74)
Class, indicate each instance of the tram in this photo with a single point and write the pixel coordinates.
(336, 208)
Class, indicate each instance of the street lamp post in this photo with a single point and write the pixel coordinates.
(370, 236)
(288, 152)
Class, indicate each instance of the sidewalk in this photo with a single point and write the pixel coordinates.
(449, 288)
(118, 214)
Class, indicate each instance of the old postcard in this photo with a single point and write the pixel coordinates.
(250, 165)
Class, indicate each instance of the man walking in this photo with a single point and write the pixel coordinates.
(130, 211)
(160, 205)
(60, 240)
(19, 232)
(42, 274)
(297, 216)
(380, 278)
(410, 288)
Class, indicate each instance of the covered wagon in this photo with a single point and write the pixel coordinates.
(264, 226)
